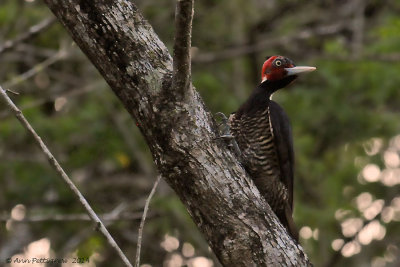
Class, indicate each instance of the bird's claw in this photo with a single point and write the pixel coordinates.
(223, 125)
(225, 134)
(223, 116)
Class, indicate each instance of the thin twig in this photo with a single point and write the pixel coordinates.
(74, 217)
(358, 26)
(32, 32)
(62, 53)
(41, 101)
(54, 163)
(11, 91)
(140, 232)
(36, 51)
(81, 236)
(392, 57)
(241, 50)
(183, 34)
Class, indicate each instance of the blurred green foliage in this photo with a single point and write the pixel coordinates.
(345, 120)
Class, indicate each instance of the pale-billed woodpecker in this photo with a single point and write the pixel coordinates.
(264, 141)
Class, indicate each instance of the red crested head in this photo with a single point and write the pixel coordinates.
(278, 67)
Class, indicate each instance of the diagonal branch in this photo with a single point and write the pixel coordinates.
(54, 163)
(74, 217)
(183, 34)
(146, 208)
(32, 32)
(61, 54)
(4, 114)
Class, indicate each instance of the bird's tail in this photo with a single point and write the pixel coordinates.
(287, 220)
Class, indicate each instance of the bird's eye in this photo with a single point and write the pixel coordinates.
(278, 63)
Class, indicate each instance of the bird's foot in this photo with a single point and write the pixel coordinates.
(225, 134)
(223, 125)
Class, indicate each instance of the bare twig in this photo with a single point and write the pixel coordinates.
(183, 35)
(37, 68)
(54, 163)
(27, 156)
(75, 217)
(84, 234)
(71, 93)
(140, 232)
(32, 32)
(11, 91)
(392, 57)
(115, 215)
(358, 28)
(242, 50)
(35, 50)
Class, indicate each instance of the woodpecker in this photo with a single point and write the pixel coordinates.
(263, 135)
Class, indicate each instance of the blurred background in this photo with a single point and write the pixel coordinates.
(345, 118)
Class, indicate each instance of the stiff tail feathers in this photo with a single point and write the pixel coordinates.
(287, 221)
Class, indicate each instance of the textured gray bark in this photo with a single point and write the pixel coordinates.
(181, 134)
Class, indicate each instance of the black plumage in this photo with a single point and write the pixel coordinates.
(262, 131)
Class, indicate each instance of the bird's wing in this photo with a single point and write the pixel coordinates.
(284, 145)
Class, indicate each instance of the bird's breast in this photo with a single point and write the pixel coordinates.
(254, 136)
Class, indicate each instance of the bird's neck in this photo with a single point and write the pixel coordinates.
(260, 98)
(271, 87)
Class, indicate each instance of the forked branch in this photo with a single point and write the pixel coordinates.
(183, 34)
(223, 202)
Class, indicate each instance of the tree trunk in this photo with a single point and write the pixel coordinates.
(181, 133)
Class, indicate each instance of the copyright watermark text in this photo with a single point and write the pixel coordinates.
(18, 260)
